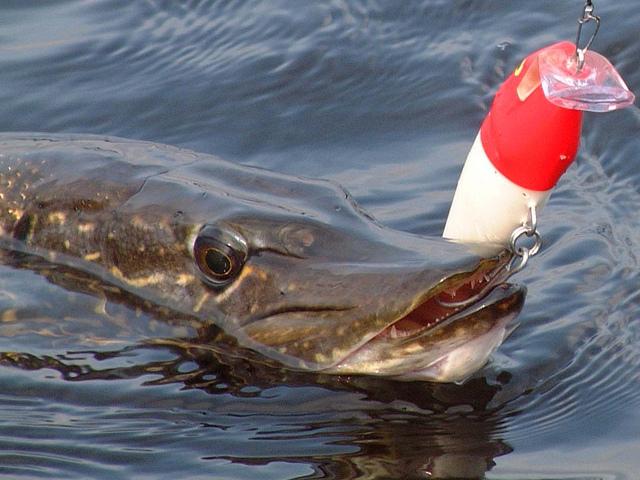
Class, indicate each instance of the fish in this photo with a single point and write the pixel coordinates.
(292, 268)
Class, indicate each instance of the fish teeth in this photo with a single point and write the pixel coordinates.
(393, 332)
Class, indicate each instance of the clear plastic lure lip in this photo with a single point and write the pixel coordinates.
(596, 87)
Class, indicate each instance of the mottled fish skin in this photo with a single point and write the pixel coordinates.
(321, 277)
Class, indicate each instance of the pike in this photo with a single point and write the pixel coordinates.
(292, 268)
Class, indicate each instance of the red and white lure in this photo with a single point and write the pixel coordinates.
(528, 139)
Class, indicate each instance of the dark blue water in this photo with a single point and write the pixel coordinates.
(386, 98)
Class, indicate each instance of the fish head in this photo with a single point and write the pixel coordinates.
(291, 267)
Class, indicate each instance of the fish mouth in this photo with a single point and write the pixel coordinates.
(452, 296)
(446, 335)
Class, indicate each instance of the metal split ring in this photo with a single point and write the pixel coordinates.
(517, 234)
(521, 254)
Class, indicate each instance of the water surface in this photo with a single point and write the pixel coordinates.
(385, 98)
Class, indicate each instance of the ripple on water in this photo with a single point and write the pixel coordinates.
(386, 98)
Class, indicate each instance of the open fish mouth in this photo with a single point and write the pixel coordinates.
(446, 336)
(454, 295)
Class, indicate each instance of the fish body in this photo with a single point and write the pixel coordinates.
(290, 267)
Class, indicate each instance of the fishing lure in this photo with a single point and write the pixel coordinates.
(527, 141)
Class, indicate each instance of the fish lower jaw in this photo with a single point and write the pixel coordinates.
(460, 363)
(443, 363)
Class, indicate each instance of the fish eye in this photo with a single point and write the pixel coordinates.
(219, 255)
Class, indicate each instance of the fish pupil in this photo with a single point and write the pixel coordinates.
(218, 263)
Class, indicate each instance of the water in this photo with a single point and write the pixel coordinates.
(385, 98)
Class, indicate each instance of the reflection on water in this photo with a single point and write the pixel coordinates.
(385, 98)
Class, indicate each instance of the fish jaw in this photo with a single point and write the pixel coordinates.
(449, 352)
